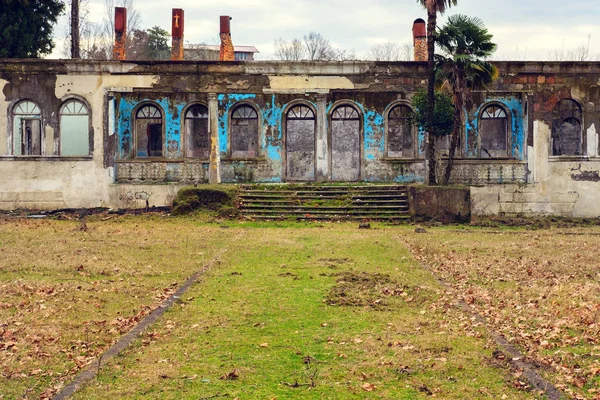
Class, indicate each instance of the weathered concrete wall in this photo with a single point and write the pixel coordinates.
(527, 178)
(440, 202)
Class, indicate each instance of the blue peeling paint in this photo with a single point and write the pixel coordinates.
(226, 102)
(171, 120)
(272, 118)
(515, 109)
(374, 145)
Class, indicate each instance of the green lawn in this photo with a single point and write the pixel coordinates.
(287, 310)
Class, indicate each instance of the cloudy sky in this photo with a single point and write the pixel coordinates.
(523, 29)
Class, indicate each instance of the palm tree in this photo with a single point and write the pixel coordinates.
(465, 44)
(433, 7)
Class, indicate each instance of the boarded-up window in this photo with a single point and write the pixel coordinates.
(400, 140)
(27, 129)
(196, 132)
(567, 138)
(149, 132)
(300, 143)
(345, 144)
(244, 132)
(74, 129)
(493, 132)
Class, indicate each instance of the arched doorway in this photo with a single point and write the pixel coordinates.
(345, 144)
(300, 128)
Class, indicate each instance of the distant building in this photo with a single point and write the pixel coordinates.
(210, 52)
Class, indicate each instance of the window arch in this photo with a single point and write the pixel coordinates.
(494, 136)
(345, 143)
(244, 132)
(300, 130)
(149, 131)
(74, 129)
(400, 137)
(567, 137)
(27, 129)
(197, 137)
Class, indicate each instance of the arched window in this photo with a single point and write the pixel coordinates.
(197, 138)
(300, 128)
(74, 129)
(244, 132)
(27, 129)
(345, 144)
(400, 138)
(149, 132)
(567, 138)
(493, 132)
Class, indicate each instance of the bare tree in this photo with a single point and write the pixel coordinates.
(391, 52)
(344, 55)
(318, 48)
(91, 39)
(580, 53)
(289, 51)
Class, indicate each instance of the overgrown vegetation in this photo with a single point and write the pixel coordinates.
(191, 199)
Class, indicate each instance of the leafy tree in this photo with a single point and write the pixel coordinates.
(26, 27)
(443, 116)
(158, 43)
(433, 7)
(465, 44)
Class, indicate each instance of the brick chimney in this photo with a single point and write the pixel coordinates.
(227, 51)
(177, 35)
(120, 33)
(420, 39)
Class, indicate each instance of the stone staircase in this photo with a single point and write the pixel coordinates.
(325, 202)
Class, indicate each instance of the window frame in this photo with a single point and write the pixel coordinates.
(553, 126)
(17, 131)
(90, 126)
(185, 133)
(414, 132)
(259, 125)
(508, 133)
(135, 118)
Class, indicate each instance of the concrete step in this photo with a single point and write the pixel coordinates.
(384, 202)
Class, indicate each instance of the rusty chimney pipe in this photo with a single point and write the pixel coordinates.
(227, 52)
(120, 33)
(177, 34)
(420, 39)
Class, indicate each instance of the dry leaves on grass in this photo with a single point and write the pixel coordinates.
(540, 290)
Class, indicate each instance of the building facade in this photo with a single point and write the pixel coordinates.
(120, 133)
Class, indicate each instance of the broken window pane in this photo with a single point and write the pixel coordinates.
(74, 129)
(567, 137)
(27, 129)
(197, 137)
(493, 132)
(149, 132)
(300, 143)
(244, 132)
(400, 141)
(345, 144)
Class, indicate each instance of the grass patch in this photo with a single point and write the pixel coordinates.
(260, 326)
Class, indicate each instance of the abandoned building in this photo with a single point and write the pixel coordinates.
(80, 133)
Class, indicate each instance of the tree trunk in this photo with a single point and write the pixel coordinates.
(456, 123)
(431, 21)
(75, 29)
